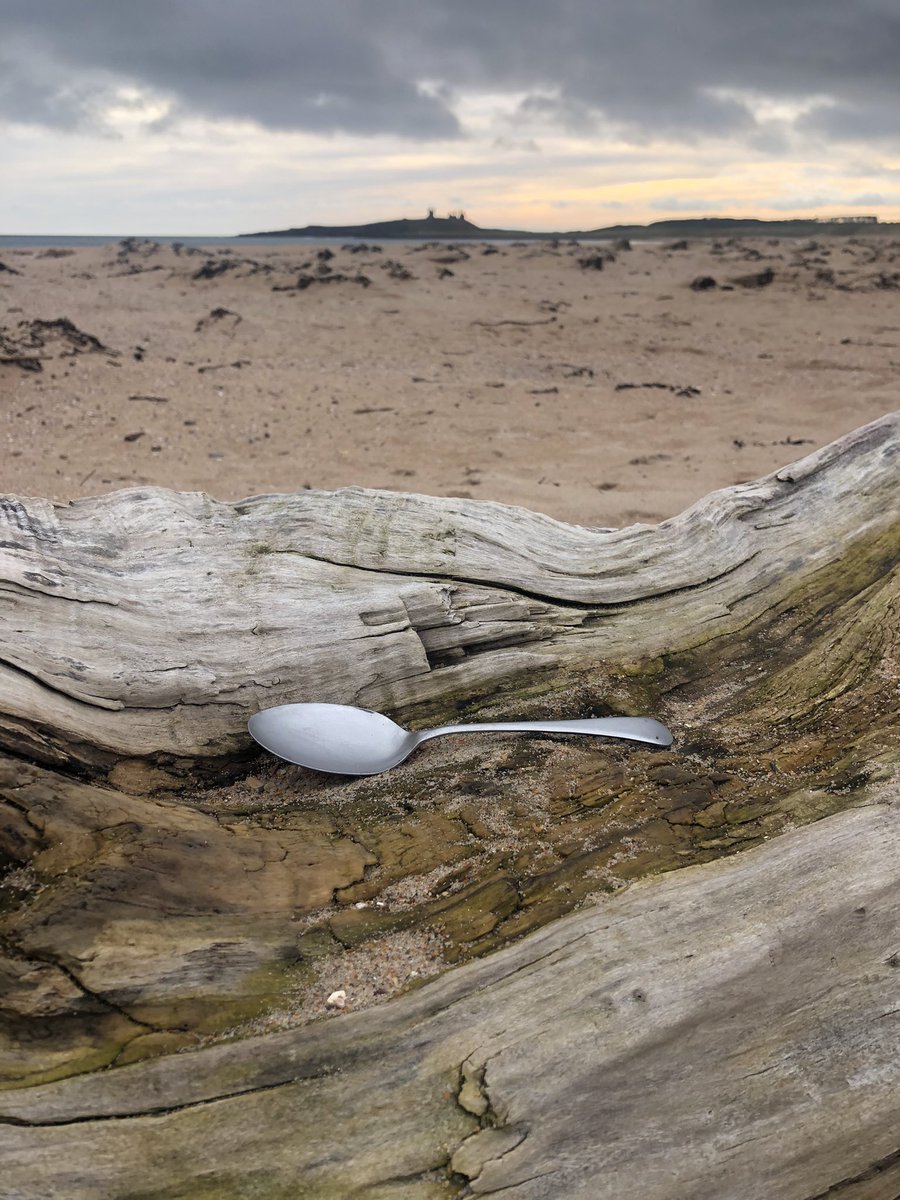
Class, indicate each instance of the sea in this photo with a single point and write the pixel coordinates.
(37, 241)
(26, 241)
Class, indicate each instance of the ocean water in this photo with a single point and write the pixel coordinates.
(36, 241)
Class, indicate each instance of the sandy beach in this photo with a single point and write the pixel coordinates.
(590, 383)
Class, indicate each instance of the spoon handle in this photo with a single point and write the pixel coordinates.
(633, 729)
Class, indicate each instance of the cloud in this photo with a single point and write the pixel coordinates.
(687, 204)
(284, 66)
(872, 121)
(796, 202)
(873, 170)
(31, 93)
(872, 200)
(648, 68)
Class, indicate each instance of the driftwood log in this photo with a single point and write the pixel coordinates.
(725, 1029)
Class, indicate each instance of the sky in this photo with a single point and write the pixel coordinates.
(216, 117)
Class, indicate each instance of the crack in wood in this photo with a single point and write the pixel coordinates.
(164, 1110)
(879, 1167)
(52, 961)
(42, 680)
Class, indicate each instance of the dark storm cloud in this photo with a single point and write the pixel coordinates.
(653, 66)
(285, 65)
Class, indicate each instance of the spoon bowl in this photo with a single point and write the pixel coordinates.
(344, 740)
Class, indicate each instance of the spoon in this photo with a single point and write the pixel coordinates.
(354, 741)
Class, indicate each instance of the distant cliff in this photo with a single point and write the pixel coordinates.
(737, 227)
(439, 228)
(425, 227)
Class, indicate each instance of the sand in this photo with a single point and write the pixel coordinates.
(512, 373)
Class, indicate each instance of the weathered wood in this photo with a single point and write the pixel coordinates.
(157, 897)
(149, 624)
(724, 1031)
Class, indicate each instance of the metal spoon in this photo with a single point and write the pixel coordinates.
(354, 741)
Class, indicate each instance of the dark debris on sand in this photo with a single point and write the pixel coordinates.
(304, 281)
(396, 270)
(758, 279)
(215, 316)
(17, 345)
(676, 389)
(214, 267)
